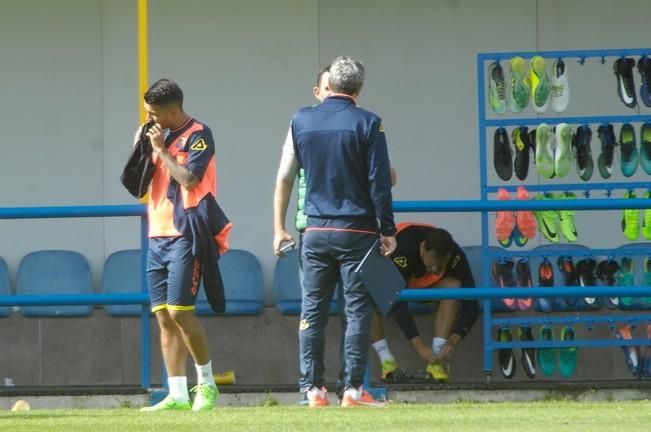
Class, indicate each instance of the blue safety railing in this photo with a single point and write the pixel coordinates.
(141, 298)
(483, 293)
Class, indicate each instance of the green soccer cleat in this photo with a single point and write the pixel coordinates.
(646, 219)
(566, 217)
(626, 277)
(547, 356)
(546, 220)
(168, 404)
(206, 397)
(540, 86)
(646, 277)
(630, 222)
(567, 355)
(645, 146)
(563, 155)
(496, 88)
(544, 150)
(520, 85)
(629, 156)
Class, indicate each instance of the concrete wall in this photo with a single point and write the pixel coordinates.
(103, 350)
(70, 100)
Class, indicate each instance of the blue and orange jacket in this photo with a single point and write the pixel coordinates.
(195, 214)
(343, 150)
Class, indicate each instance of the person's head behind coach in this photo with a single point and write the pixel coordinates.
(346, 76)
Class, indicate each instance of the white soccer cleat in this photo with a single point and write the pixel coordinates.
(560, 86)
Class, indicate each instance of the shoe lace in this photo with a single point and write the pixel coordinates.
(567, 354)
(583, 154)
(501, 89)
(202, 389)
(627, 150)
(566, 215)
(627, 278)
(645, 75)
(631, 216)
(607, 137)
(609, 152)
(628, 84)
(647, 148)
(558, 90)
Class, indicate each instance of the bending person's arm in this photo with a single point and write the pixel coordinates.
(407, 325)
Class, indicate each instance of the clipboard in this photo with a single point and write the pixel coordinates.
(382, 279)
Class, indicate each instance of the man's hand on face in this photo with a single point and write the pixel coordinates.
(155, 135)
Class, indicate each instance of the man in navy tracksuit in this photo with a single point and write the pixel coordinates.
(343, 151)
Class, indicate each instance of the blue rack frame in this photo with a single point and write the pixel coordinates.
(486, 189)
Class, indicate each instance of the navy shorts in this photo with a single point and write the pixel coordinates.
(173, 274)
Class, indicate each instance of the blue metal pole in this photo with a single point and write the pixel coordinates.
(71, 211)
(592, 343)
(611, 320)
(483, 177)
(566, 54)
(428, 294)
(574, 252)
(145, 338)
(564, 187)
(73, 299)
(464, 206)
(581, 120)
(425, 294)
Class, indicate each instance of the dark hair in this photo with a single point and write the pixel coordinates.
(164, 92)
(320, 75)
(438, 241)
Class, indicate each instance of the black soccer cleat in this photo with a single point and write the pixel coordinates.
(606, 157)
(566, 266)
(585, 270)
(528, 354)
(625, 84)
(581, 144)
(505, 355)
(502, 154)
(606, 271)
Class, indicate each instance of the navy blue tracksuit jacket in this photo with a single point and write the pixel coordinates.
(347, 158)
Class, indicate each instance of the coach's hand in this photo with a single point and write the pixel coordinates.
(387, 245)
(281, 237)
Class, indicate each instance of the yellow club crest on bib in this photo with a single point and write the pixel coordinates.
(199, 145)
(401, 261)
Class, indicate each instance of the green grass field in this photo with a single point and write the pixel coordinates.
(521, 417)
